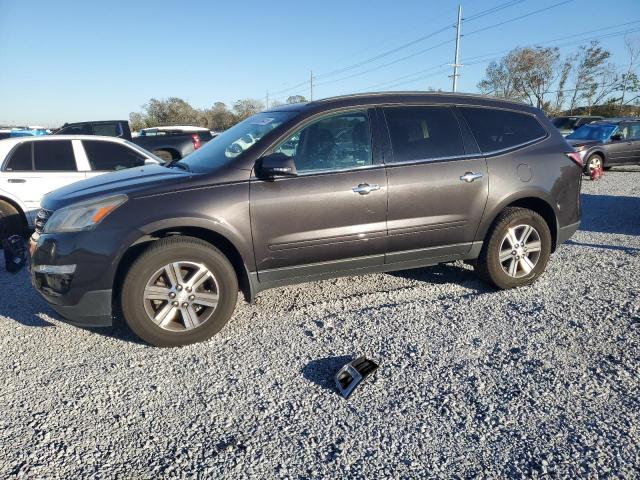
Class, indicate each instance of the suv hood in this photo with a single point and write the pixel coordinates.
(131, 181)
(574, 142)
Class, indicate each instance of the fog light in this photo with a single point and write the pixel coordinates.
(55, 269)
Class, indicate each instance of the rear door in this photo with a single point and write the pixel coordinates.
(39, 167)
(438, 184)
(620, 151)
(332, 215)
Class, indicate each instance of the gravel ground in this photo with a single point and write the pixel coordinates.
(472, 382)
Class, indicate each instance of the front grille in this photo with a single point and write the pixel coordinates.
(41, 219)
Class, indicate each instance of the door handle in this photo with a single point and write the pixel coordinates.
(365, 188)
(470, 177)
(16, 180)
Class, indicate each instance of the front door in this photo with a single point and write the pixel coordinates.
(332, 215)
(436, 195)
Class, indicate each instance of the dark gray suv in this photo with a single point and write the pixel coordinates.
(342, 186)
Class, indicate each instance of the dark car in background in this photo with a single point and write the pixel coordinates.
(341, 186)
(608, 143)
(568, 125)
(168, 143)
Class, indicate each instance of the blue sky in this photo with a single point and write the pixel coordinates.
(70, 60)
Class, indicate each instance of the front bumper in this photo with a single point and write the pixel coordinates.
(84, 297)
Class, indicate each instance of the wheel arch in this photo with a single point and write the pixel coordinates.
(535, 203)
(216, 239)
(18, 207)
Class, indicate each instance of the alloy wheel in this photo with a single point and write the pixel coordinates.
(181, 296)
(520, 251)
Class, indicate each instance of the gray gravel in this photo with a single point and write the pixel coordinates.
(473, 382)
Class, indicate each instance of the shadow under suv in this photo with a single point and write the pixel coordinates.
(342, 186)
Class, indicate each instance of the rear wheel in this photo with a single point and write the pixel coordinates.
(181, 290)
(11, 221)
(516, 250)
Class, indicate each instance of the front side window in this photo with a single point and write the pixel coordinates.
(500, 129)
(20, 160)
(106, 156)
(336, 142)
(53, 155)
(423, 133)
(634, 131)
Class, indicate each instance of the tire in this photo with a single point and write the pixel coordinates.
(11, 221)
(500, 274)
(176, 326)
(592, 162)
(164, 155)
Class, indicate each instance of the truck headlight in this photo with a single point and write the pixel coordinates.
(82, 216)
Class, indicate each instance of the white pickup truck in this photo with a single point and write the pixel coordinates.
(32, 166)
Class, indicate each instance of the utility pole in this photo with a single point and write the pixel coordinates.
(311, 85)
(457, 57)
(267, 102)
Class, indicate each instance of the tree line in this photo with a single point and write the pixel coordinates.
(585, 81)
(176, 111)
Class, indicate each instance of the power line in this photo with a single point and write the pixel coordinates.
(564, 2)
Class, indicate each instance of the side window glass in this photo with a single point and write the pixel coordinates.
(20, 159)
(336, 142)
(106, 156)
(106, 129)
(499, 129)
(82, 129)
(422, 133)
(634, 131)
(53, 155)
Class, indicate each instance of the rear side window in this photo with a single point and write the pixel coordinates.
(422, 133)
(499, 129)
(80, 129)
(20, 158)
(106, 129)
(53, 155)
(111, 155)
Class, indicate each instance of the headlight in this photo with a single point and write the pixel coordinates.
(580, 148)
(83, 215)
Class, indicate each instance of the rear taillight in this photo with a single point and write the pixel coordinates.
(196, 141)
(575, 156)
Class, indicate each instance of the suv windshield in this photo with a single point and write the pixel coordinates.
(235, 141)
(592, 131)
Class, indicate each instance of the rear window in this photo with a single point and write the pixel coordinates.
(204, 136)
(20, 158)
(54, 155)
(500, 129)
(106, 129)
(422, 133)
(111, 155)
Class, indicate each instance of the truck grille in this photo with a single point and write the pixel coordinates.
(41, 219)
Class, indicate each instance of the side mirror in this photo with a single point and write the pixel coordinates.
(616, 137)
(276, 165)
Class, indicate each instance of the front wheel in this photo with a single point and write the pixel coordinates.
(516, 250)
(181, 290)
(593, 162)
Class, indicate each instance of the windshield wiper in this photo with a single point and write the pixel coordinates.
(179, 164)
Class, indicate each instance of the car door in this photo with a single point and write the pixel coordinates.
(53, 165)
(633, 157)
(331, 216)
(437, 193)
(619, 148)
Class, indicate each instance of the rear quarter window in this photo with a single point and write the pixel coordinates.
(20, 159)
(501, 129)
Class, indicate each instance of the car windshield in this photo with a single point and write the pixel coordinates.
(592, 131)
(565, 123)
(235, 141)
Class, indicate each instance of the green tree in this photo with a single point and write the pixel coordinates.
(296, 99)
(247, 107)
